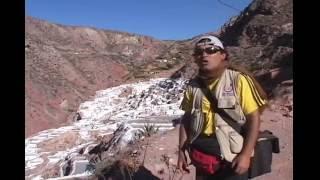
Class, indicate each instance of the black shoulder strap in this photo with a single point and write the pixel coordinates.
(213, 102)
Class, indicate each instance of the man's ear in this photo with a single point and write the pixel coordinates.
(224, 55)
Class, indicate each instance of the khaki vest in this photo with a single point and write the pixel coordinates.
(230, 141)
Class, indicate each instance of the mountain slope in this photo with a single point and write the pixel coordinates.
(65, 65)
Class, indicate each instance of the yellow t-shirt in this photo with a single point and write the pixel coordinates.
(249, 101)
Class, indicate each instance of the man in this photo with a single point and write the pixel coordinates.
(238, 94)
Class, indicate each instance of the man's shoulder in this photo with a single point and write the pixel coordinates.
(234, 72)
(237, 75)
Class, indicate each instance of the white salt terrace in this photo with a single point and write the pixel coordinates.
(107, 110)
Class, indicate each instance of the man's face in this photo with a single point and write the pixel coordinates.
(209, 58)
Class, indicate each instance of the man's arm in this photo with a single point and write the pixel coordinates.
(182, 161)
(182, 130)
(242, 161)
(252, 130)
(251, 102)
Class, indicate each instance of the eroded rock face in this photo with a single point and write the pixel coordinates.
(260, 38)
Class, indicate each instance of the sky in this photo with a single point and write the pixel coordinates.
(161, 19)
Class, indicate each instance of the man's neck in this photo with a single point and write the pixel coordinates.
(210, 76)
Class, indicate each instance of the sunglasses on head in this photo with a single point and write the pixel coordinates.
(207, 50)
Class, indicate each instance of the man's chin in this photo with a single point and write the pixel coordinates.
(203, 72)
(205, 69)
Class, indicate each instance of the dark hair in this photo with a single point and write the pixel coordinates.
(226, 53)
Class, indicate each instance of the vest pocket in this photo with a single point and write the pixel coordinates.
(230, 141)
(236, 142)
(227, 103)
(224, 145)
